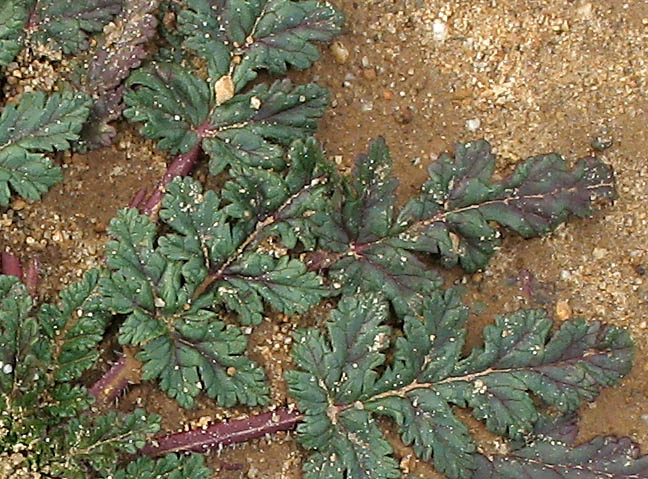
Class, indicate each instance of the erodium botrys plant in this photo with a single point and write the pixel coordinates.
(190, 271)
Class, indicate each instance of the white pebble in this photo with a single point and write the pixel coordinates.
(473, 124)
(439, 31)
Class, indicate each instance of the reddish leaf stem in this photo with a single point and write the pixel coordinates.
(11, 265)
(180, 166)
(112, 383)
(32, 274)
(224, 433)
(138, 198)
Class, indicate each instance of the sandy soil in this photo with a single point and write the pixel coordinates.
(531, 77)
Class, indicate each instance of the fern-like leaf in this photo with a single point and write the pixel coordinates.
(373, 248)
(228, 257)
(34, 125)
(250, 129)
(66, 25)
(88, 445)
(343, 379)
(13, 18)
(43, 410)
(183, 343)
(170, 466)
(40, 123)
(263, 34)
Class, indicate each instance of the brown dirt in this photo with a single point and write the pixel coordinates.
(530, 77)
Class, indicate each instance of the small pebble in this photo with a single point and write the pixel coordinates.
(340, 52)
(563, 310)
(439, 31)
(369, 74)
(599, 253)
(473, 124)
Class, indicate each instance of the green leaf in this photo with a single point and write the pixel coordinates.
(94, 444)
(28, 174)
(65, 25)
(40, 123)
(284, 283)
(171, 466)
(184, 346)
(68, 401)
(13, 18)
(18, 334)
(564, 370)
(260, 34)
(520, 370)
(37, 123)
(335, 375)
(172, 103)
(249, 129)
(290, 197)
(78, 326)
(202, 354)
(253, 128)
(221, 254)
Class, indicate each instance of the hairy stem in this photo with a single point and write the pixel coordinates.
(109, 386)
(11, 265)
(224, 433)
(180, 166)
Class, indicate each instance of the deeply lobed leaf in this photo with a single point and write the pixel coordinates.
(92, 445)
(42, 356)
(452, 216)
(13, 18)
(238, 38)
(171, 102)
(36, 124)
(65, 25)
(40, 123)
(121, 51)
(224, 254)
(250, 129)
(356, 228)
(78, 326)
(171, 466)
(371, 248)
(520, 370)
(183, 343)
(253, 128)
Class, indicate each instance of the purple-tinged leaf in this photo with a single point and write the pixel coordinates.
(238, 38)
(121, 51)
(66, 24)
(454, 214)
(455, 217)
(601, 458)
(360, 218)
